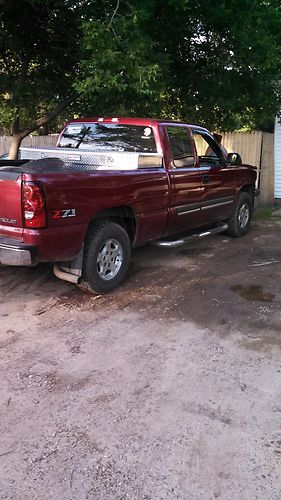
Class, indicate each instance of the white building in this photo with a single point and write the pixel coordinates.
(277, 159)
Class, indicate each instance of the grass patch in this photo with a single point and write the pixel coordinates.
(267, 213)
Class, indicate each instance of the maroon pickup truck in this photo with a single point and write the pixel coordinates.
(113, 184)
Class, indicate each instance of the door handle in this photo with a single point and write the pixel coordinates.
(205, 179)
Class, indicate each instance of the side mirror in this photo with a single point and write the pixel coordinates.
(234, 159)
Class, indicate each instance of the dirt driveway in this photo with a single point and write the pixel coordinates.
(169, 388)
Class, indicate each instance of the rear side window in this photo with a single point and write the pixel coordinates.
(181, 146)
(109, 137)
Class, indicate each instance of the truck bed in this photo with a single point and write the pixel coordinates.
(27, 166)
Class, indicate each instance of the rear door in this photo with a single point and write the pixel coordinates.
(218, 191)
(185, 178)
(10, 205)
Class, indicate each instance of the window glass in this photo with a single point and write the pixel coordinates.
(181, 146)
(109, 136)
(207, 149)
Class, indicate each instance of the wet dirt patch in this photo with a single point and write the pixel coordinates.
(194, 252)
(263, 343)
(253, 293)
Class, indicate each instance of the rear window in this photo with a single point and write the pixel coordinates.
(108, 136)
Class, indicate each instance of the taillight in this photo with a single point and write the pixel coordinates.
(33, 202)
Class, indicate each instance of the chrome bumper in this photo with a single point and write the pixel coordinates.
(14, 253)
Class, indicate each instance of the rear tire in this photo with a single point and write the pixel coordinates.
(106, 257)
(240, 220)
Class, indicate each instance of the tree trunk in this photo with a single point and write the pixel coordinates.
(18, 136)
(14, 148)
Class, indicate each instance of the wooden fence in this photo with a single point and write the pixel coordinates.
(255, 148)
(30, 141)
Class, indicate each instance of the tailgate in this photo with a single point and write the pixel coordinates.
(10, 205)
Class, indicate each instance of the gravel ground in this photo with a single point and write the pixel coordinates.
(168, 388)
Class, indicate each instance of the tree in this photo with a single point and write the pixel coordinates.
(38, 53)
(225, 60)
(219, 65)
(188, 59)
(122, 68)
(57, 52)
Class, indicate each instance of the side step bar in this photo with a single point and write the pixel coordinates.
(185, 239)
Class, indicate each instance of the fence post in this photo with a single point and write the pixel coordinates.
(266, 197)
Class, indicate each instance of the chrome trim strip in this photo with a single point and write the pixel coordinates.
(192, 169)
(217, 205)
(195, 207)
(189, 211)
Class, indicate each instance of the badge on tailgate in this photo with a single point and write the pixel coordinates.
(5, 220)
(62, 214)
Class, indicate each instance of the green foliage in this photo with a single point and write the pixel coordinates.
(218, 64)
(38, 50)
(225, 60)
(121, 69)
(267, 214)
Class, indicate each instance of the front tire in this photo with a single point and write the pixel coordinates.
(106, 257)
(240, 221)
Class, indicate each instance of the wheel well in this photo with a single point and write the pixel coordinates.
(124, 216)
(248, 188)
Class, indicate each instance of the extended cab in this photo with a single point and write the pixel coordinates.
(112, 184)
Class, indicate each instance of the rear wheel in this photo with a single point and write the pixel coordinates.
(106, 257)
(240, 221)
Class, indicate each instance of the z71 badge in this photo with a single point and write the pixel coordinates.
(62, 214)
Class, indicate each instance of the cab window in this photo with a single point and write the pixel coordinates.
(108, 137)
(181, 146)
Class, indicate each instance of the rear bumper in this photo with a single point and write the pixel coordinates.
(15, 253)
